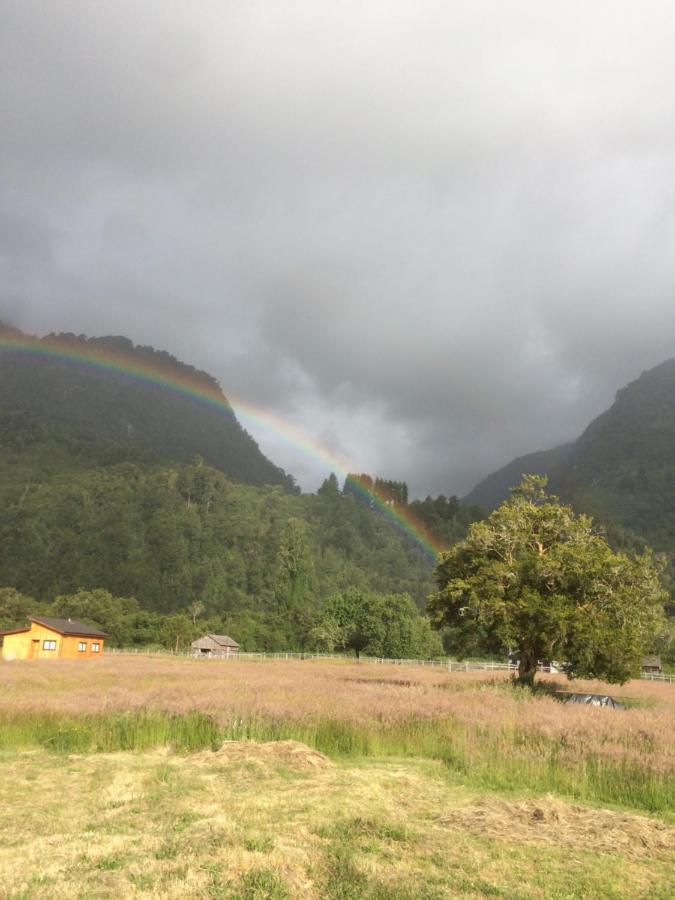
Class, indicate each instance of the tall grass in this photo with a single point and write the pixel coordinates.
(108, 732)
(497, 758)
(487, 733)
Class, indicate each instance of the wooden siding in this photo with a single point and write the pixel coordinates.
(30, 645)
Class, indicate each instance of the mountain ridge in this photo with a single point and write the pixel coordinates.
(621, 468)
(50, 396)
(495, 487)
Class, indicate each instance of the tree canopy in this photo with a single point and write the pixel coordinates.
(379, 625)
(536, 578)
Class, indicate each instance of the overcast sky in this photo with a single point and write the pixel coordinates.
(431, 235)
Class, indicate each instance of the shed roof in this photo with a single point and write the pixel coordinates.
(69, 626)
(651, 661)
(223, 640)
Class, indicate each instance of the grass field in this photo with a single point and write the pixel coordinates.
(335, 780)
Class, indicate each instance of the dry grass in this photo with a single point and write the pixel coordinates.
(251, 822)
(360, 695)
(266, 756)
(551, 822)
(394, 808)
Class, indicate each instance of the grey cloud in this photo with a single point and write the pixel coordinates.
(431, 235)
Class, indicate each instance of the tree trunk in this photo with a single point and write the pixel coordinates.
(527, 667)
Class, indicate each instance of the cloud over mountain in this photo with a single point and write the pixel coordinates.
(435, 235)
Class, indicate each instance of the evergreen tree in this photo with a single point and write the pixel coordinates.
(295, 566)
(330, 487)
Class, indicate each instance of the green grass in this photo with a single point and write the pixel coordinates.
(261, 884)
(109, 732)
(499, 758)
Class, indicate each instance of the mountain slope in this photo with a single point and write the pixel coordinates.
(494, 489)
(620, 470)
(96, 415)
(172, 535)
(105, 482)
(623, 465)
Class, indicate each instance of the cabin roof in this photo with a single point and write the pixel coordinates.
(68, 626)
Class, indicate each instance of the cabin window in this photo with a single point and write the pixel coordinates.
(82, 646)
(49, 645)
(95, 648)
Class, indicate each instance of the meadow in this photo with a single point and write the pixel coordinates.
(166, 777)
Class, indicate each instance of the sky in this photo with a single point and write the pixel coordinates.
(430, 235)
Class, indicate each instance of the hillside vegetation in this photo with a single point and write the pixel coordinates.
(170, 536)
(111, 483)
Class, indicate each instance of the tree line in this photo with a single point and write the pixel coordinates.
(353, 622)
(534, 579)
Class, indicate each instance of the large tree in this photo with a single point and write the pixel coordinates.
(536, 578)
(383, 625)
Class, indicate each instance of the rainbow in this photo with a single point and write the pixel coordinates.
(198, 387)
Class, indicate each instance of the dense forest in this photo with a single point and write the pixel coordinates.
(96, 493)
(260, 561)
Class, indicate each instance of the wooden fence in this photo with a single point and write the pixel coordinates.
(448, 665)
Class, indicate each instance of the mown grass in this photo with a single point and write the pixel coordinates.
(247, 826)
(502, 758)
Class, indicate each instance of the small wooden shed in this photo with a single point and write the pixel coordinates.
(652, 664)
(215, 645)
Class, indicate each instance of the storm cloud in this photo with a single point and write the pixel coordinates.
(430, 235)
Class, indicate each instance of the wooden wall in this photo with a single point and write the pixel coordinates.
(30, 645)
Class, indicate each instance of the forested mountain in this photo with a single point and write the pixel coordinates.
(172, 535)
(620, 470)
(115, 482)
(95, 414)
(107, 482)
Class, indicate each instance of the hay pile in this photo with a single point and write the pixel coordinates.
(271, 754)
(548, 820)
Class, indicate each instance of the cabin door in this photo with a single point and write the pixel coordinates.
(33, 648)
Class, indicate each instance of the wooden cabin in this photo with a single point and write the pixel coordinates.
(215, 645)
(49, 638)
(652, 665)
